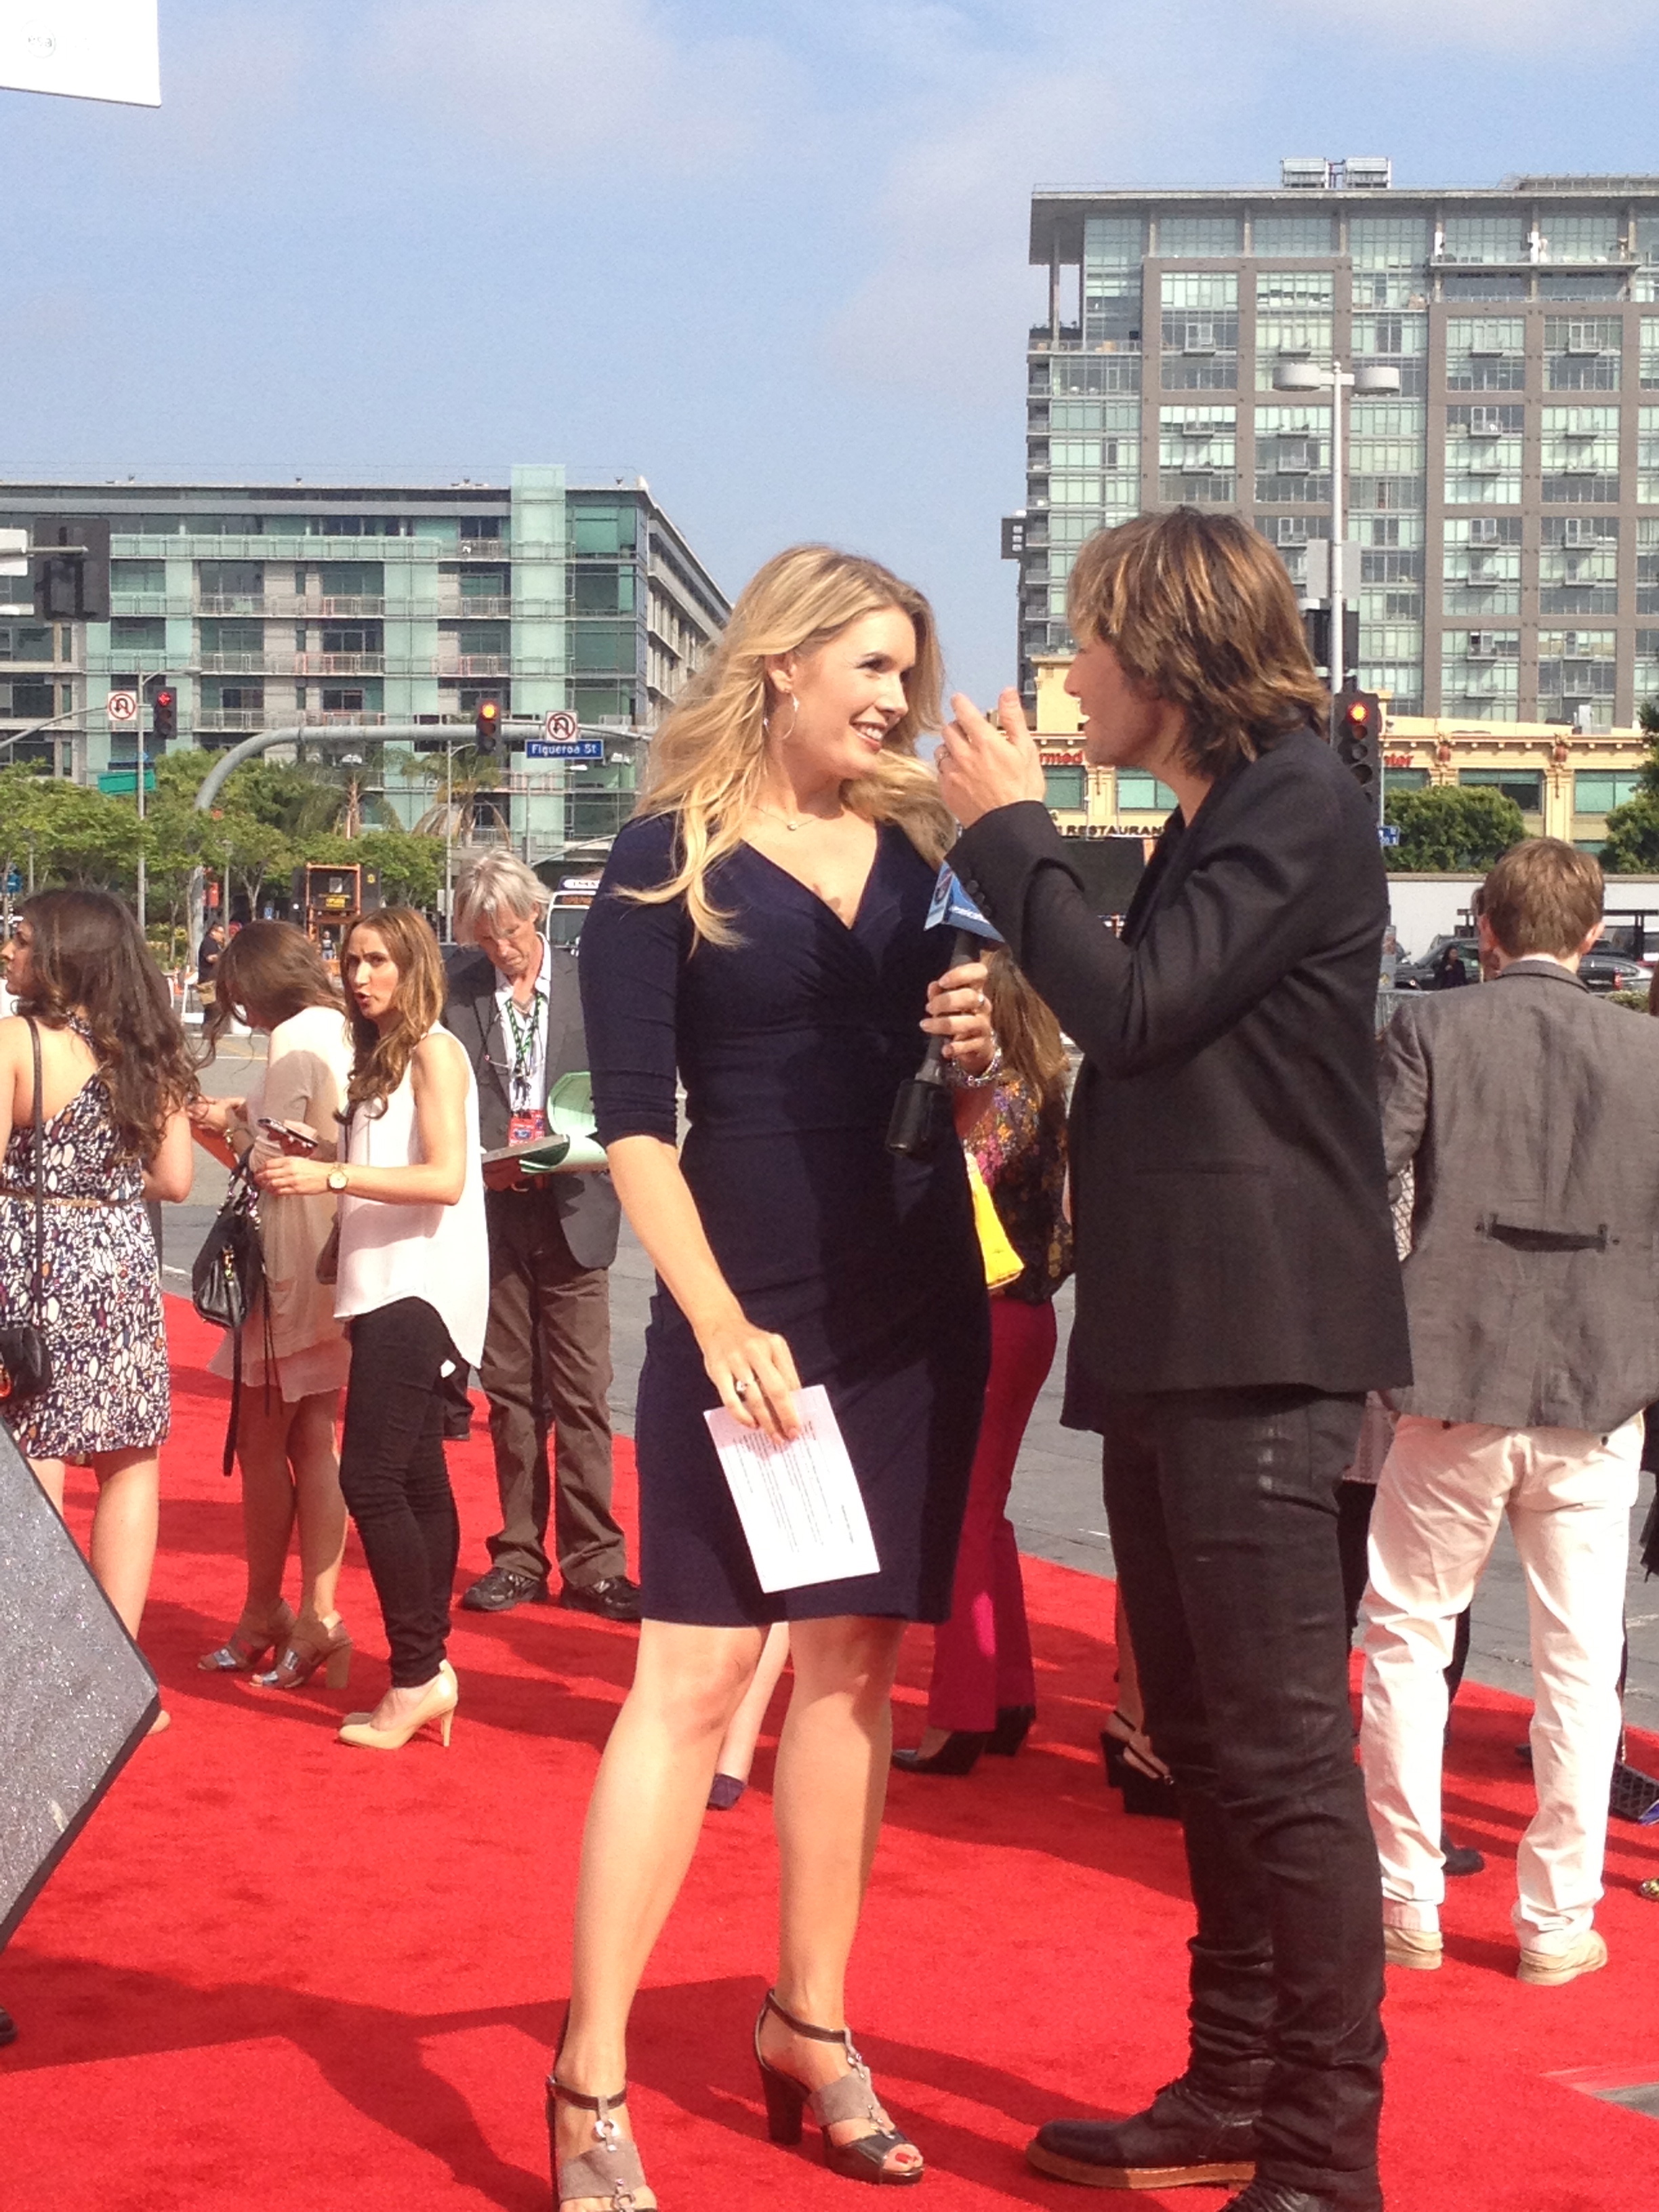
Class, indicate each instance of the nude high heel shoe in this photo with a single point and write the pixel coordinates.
(443, 1695)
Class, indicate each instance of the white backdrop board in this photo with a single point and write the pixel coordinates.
(79, 1696)
(86, 48)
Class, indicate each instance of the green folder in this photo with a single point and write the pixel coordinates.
(571, 1146)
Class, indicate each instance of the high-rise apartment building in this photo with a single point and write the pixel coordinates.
(1506, 502)
(275, 605)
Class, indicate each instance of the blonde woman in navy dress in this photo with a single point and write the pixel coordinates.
(760, 935)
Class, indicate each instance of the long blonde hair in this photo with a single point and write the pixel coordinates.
(708, 758)
(1030, 1036)
(380, 1063)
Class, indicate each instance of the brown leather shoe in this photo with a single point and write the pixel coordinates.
(1180, 2140)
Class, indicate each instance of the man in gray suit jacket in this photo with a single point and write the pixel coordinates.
(1530, 1113)
(516, 1007)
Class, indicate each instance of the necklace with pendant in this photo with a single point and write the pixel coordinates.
(790, 822)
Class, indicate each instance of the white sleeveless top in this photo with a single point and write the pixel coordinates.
(437, 1252)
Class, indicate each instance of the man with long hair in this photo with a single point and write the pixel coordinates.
(1238, 1295)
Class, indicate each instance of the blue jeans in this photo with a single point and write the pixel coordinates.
(1222, 1510)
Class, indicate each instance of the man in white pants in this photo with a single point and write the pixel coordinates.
(1530, 1110)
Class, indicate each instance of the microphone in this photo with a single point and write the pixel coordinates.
(922, 1113)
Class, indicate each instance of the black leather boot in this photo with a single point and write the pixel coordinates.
(1183, 2138)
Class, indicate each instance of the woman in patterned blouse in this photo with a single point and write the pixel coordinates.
(983, 1695)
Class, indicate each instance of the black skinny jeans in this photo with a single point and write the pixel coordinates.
(1222, 1511)
(395, 1482)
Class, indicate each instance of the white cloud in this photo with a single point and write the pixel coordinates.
(1506, 30)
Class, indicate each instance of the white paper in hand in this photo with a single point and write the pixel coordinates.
(800, 1503)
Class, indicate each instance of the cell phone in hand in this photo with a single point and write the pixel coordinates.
(292, 1136)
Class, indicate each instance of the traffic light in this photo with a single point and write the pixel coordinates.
(1357, 737)
(164, 714)
(488, 724)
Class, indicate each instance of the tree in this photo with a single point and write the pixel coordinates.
(1632, 845)
(411, 866)
(1451, 830)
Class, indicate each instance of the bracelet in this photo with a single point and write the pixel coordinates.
(961, 1080)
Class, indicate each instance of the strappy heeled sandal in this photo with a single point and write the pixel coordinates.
(241, 1651)
(610, 2171)
(851, 2096)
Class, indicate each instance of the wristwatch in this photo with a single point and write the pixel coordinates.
(337, 1178)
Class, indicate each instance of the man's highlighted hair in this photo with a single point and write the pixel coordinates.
(1201, 612)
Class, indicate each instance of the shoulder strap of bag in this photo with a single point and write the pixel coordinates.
(39, 1293)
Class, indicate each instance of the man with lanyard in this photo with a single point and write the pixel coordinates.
(513, 1003)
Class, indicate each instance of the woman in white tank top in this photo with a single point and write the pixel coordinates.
(414, 1289)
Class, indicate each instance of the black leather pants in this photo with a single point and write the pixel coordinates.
(1222, 1511)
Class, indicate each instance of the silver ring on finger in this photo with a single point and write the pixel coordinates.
(739, 1389)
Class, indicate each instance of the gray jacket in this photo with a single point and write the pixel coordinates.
(588, 1209)
(1530, 1112)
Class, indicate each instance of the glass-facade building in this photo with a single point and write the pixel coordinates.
(1506, 503)
(271, 606)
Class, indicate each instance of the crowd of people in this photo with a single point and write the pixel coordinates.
(755, 980)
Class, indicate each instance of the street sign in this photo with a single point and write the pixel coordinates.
(579, 749)
(117, 782)
(122, 706)
(1389, 835)
(560, 724)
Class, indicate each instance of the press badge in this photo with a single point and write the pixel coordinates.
(526, 1128)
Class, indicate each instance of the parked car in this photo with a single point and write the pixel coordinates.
(1423, 973)
(1613, 971)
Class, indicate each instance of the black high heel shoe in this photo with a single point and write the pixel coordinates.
(1153, 1796)
(1013, 1726)
(851, 2096)
(957, 1754)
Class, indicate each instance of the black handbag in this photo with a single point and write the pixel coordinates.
(226, 1281)
(25, 1355)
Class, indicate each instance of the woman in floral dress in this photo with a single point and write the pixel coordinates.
(115, 1075)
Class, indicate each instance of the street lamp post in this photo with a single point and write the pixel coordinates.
(1374, 382)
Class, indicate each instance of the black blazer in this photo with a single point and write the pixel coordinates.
(1228, 1186)
(587, 1207)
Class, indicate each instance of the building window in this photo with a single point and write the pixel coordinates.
(1397, 342)
(1581, 352)
(1598, 791)
(1193, 237)
(1480, 674)
(1112, 249)
(1198, 455)
(1405, 779)
(602, 529)
(1200, 330)
(1391, 257)
(1293, 455)
(1647, 566)
(146, 641)
(1138, 792)
(1578, 237)
(1580, 455)
(33, 640)
(1576, 670)
(1485, 353)
(1065, 789)
(1647, 665)
(1478, 237)
(138, 576)
(1579, 565)
(1524, 786)
(1647, 456)
(1293, 233)
(1484, 455)
(1109, 373)
(1480, 573)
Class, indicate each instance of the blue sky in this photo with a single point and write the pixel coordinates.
(771, 257)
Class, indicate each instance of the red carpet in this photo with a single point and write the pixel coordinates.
(277, 1973)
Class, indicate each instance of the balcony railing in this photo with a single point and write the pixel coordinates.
(472, 663)
(339, 664)
(229, 719)
(289, 603)
(474, 610)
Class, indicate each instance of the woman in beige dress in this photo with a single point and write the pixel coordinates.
(271, 977)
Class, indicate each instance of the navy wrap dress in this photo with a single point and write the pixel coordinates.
(791, 1045)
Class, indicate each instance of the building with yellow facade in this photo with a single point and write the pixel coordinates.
(1564, 781)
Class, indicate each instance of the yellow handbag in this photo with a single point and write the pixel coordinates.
(1003, 1265)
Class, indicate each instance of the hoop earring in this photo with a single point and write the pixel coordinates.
(783, 735)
